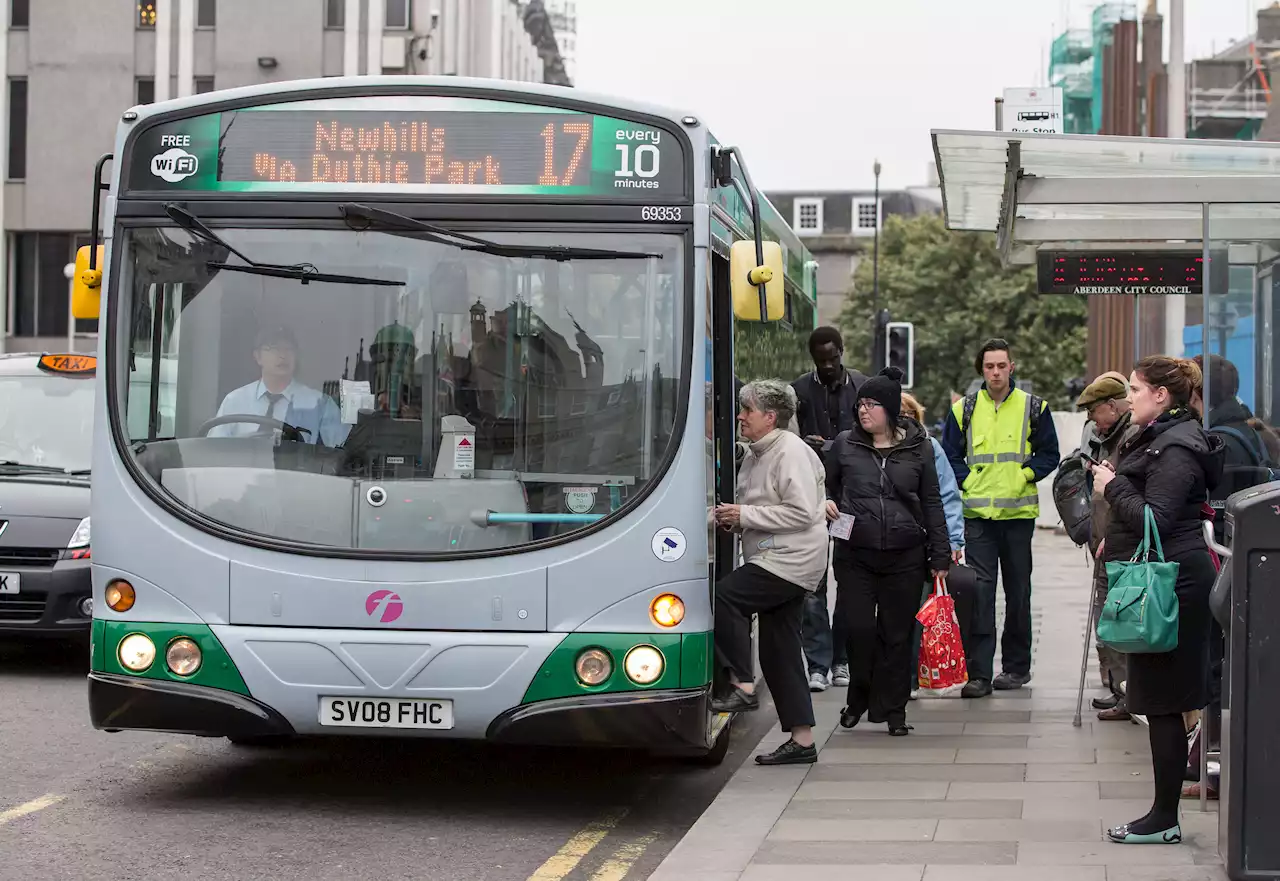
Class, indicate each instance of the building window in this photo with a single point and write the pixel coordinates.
(146, 14)
(146, 90)
(41, 304)
(866, 216)
(397, 15)
(204, 84)
(808, 217)
(19, 13)
(17, 129)
(206, 13)
(335, 13)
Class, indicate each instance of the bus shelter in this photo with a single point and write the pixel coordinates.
(1177, 245)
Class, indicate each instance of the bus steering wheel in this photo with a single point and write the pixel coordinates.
(289, 432)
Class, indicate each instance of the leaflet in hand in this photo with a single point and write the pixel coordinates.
(842, 526)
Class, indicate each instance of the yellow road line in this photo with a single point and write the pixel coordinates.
(36, 804)
(617, 866)
(566, 859)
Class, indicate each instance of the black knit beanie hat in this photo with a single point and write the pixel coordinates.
(885, 390)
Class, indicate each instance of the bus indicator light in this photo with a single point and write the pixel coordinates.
(120, 596)
(667, 610)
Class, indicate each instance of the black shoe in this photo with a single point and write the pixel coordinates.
(976, 688)
(899, 729)
(1010, 681)
(790, 753)
(848, 719)
(1106, 703)
(737, 701)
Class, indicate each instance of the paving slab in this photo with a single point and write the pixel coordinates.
(906, 809)
(983, 773)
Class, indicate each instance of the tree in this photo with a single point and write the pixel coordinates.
(955, 290)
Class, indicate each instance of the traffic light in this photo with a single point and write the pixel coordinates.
(900, 349)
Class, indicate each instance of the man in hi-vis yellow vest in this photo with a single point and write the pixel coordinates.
(1001, 442)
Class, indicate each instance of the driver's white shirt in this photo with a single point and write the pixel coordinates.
(299, 405)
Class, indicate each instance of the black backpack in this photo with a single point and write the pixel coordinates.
(1072, 497)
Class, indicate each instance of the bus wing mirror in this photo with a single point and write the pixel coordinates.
(748, 274)
(86, 290)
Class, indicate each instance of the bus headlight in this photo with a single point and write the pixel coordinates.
(137, 652)
(593, 666)
(644, 665)
(183, 656)
(667, 610)
(119, 596)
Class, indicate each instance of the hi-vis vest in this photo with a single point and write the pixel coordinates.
(997, 445)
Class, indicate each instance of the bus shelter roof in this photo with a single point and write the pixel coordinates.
(1081, 191)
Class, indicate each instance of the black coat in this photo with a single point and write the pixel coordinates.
(814, 401)
(893, 494)
(1171, 465)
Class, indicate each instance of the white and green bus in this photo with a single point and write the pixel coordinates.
(412, 399)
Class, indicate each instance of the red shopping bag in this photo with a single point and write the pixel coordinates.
(942, 663)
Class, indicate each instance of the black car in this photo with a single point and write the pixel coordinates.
(46, 434)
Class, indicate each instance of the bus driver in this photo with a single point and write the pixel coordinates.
(278, 395)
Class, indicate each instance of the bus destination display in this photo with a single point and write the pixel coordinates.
(1120, 272)
(446, 150)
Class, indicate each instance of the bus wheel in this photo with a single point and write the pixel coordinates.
(258, 740)
(715, 756)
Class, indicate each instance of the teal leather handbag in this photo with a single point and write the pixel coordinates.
(1140, 615)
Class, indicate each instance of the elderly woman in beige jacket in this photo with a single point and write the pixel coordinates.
(781, 494)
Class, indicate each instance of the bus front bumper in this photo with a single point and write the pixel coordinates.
(124, 702)
(674, 720)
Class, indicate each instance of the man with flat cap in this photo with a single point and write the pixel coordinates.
(279, 395)
(1106, 401)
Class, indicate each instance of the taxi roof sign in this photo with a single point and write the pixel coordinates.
(78, 365)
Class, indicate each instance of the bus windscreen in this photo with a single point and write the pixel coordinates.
(405, 143)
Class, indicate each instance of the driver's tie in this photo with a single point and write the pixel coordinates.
(272, 400)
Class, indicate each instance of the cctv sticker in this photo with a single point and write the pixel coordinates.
(174, 164)
(668, 544)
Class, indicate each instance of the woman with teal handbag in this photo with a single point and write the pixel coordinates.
(1160, 574)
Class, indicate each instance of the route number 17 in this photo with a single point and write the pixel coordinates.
(645, 161)
(549, 178)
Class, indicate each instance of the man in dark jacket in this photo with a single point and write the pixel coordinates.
(1106, 402)
(1246, 463)
(826, 400)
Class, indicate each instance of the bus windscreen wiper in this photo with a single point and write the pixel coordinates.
(303, 272)
(363, 217)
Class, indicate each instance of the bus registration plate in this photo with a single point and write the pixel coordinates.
(385, 712)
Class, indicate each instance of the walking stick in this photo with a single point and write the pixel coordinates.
(1084, 660)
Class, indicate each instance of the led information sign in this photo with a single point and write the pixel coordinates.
(449, 146)
(1120, 272)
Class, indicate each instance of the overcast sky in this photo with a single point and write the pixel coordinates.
(815, 90)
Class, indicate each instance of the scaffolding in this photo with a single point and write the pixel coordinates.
(1075, 65)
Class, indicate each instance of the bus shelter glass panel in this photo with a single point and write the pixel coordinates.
(427, 399)
(1237, 326)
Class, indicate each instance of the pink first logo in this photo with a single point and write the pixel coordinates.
(385, 605)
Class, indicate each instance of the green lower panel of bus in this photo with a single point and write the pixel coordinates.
(687, 664)
(216, 670)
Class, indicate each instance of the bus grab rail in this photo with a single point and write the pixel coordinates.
(495, 518)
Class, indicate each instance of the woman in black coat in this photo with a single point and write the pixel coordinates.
(1170, 465)
(882, 473)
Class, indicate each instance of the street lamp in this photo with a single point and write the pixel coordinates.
(877, 350)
